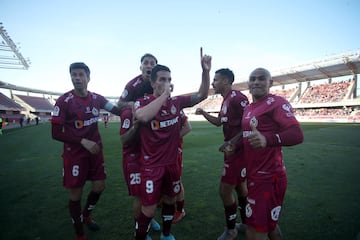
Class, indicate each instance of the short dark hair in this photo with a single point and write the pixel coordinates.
(156, 69)
(227, 73)
(148, 55)
(80, 65)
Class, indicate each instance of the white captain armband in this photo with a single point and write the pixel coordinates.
(108, 106)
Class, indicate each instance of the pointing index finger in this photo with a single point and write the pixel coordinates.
(201, 52)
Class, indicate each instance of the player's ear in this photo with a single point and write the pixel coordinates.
(271, 82)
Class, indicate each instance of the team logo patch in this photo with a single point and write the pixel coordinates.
(126, 123)
(155, 125)
(95, 112)
(286, 107)
(173, 110)
(79, 124)
(244, 103)
(253, 122)
(224, 109)
(56, 111)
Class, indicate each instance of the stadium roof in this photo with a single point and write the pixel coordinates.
(337, 66)
(25, 89)
(10, 56)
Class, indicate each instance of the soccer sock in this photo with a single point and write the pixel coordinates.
(91, 201)
(242, 205)
(180, 205)
(230, 215)
(75, 213)
(142, 225)
(167, 216)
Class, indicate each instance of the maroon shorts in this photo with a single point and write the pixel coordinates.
(234, 171)
(131, 169)
(79, 165)
(264, 202)
(158, 181)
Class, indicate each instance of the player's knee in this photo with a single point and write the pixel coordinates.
(98, 187)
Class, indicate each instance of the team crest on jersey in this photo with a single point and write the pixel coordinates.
(87, 110)
(270, 100)
(173, 110)
(56, 111)
(244, 103)
(95, 112)
(253, 122)
(233, 94)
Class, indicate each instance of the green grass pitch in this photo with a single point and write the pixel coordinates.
(322, 199)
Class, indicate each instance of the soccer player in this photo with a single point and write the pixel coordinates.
(234, 172)
(75, 123)
(160, 126)
(180, 198)
(134, 89)
(268, 124)
(140, 85)
(106, 119)
(130, 140)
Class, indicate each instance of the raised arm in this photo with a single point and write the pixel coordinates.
(148, 112)
(129, 135)
(205, 79)
(212, 119)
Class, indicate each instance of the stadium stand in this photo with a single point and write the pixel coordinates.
(40, 107)
(10, 110)
(329, 101)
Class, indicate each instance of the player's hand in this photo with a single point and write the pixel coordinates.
(205, 61)
(91, 146)
(199, 111)
(228, 148)
(168, 87)
(256, 139)
(123, 105)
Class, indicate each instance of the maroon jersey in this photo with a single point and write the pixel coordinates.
(232, 109)
(269, 116)
(132, 148)
(131, 155)
(160, 136)
(135, 89)
(79, 116)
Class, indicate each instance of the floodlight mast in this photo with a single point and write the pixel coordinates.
(8, 45)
